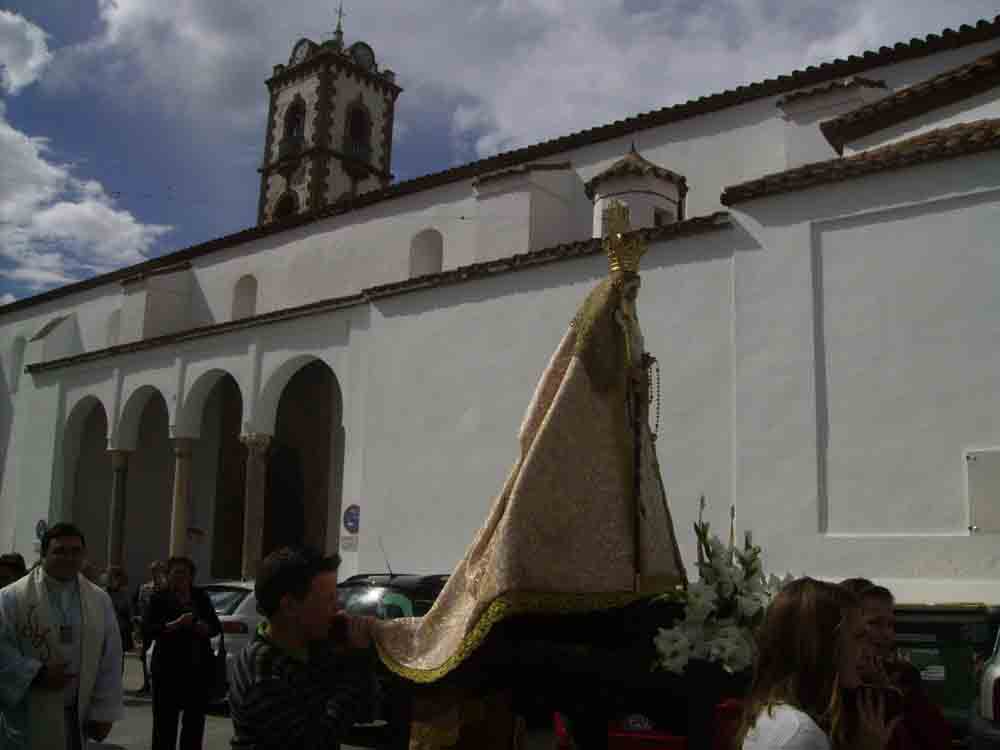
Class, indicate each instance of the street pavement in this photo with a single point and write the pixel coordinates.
(135, 731)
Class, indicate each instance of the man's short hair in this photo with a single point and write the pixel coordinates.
(289, 570)
(866, 589)
(184, 561)
(157, 566)
(60, 530)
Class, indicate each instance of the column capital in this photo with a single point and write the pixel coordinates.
(257, 442)
(119, 458)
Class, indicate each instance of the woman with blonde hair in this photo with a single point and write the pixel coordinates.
(809, 649)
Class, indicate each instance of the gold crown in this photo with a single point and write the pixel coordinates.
(623, 255)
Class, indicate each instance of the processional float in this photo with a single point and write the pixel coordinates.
(581, 526)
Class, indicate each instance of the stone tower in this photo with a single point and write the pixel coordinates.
(329, 128)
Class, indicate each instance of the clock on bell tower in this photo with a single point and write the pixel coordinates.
(329, 128)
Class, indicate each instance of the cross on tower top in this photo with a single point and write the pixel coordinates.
(338, 35)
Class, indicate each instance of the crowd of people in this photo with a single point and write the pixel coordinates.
(826, 674)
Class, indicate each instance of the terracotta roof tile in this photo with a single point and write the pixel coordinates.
(519, 262)
(984, 30)
(633, 164)
(841, 85)
(944, 143)
(943, 89)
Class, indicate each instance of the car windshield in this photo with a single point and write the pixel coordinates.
(382, 602)
(225, 599)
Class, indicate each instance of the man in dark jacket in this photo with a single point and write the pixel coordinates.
(307, 676)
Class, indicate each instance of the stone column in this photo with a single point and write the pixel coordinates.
(116, 534)
(182, 491)
(254, 498)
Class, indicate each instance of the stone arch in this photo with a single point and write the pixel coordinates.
(150, 482)
(295, 120)
(358, 131)
(305, 462)
(426, 253)
(245, 297)
(267, 402)
(219, 475)
(114, 328)
(127, 432)
(189, 416)
(86, 497)
(17, 362)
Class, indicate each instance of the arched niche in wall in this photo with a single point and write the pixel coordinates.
(358, 133)
(245, 297)
(426, 253)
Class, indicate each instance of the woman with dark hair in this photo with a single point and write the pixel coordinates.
(809, 650)
(182, 621)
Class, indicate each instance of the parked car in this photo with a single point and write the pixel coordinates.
(984, 727)
(387, 596)
(946, 642)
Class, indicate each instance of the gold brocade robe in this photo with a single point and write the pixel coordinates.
(560, 536)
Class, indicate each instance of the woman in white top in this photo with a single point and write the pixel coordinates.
(809, 648)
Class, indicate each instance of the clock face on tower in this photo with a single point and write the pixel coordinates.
(300, 52)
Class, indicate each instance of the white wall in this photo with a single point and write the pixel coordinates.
(865, 367)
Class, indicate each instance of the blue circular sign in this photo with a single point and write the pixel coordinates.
(352, 518)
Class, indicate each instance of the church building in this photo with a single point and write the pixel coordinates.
(820, 291)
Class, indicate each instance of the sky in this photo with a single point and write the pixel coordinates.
(134, 128)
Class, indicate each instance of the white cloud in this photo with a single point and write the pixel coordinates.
(511, 72)
(54, 227)
(23, 52)
(7, 298)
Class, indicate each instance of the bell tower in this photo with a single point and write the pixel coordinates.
(329, 127)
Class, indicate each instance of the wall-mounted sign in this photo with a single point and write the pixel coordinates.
(40, 528)
(352, 518)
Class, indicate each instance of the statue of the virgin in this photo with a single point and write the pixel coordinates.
(582, 522)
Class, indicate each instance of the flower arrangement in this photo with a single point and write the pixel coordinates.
(723, 608)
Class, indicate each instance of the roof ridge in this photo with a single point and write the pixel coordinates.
(983, 30)
(936, 145)
(947, 87)
(483, 269)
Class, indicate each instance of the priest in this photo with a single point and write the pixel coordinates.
(60, 652)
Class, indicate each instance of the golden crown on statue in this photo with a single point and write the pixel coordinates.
(623, 255)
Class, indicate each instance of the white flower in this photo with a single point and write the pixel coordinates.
(716, 549)
(732, 648)
(701, 601)
(674, 648)
(750, 604)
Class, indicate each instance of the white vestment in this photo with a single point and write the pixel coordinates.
(30, 636)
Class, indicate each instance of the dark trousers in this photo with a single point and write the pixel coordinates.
(169, 703)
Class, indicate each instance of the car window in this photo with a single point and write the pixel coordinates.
(225, 599)
(376, 601)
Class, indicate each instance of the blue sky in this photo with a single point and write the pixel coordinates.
(132, 128)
